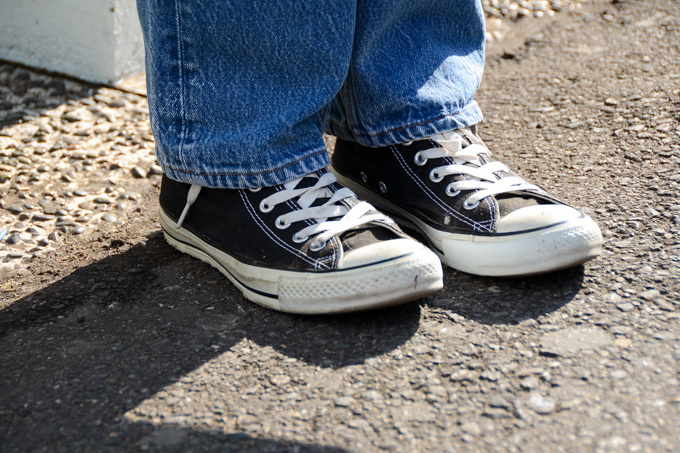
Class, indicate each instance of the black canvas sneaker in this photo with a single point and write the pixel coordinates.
(308, 246)
(476, 214)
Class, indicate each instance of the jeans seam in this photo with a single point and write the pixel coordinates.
(182, 84)
(349, 101)
(356, 134)
(252, 173)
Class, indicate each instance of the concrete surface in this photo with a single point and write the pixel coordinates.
(94, 40)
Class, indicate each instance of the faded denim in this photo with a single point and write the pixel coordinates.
(241, 92)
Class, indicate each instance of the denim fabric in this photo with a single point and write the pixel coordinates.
(240, 92)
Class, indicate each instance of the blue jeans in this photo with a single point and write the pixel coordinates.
(240, 92)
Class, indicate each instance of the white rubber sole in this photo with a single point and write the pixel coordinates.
(559, 246)
(402, 279)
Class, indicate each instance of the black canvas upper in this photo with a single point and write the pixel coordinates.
(391, 173)
(231, 220)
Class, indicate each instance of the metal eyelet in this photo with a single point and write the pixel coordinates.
(472, 206)
(315, 247)
(419, 160)
(408, 143)
(280, 224)
(451, 192)
(382, 186)
(299, 239)
(364, 178)
(265, 207)
(255, 190)
(435, 177)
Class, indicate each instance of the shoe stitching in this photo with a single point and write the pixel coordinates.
(294, 206)
(327, 258)
(487, 223)
(474, 224)
(321, 263)
(273, 237)
(394, 229)
(492, 212)
(427, 191)
(324, 260)
(335, 243)
(492, 209)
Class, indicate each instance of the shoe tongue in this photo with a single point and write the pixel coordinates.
(310, 180)
(451, 141)
(304, 182)
(464, 134)
(510, 202)
(366, 235)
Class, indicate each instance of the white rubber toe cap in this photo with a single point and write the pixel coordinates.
(379, 251)
(533, 217)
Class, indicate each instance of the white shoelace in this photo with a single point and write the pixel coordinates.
(322, 228)
(467, 161)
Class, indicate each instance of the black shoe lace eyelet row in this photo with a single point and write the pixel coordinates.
(281, 224)
(471, 206)
(316, 246)
(451, 192)
(419, 160)
(265, 207)
(436, 177)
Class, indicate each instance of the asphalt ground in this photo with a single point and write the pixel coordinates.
(110, 340)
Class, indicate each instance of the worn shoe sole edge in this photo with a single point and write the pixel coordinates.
(559, 246)
(391, 282)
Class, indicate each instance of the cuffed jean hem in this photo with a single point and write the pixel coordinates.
(314, 160)
(417, 130)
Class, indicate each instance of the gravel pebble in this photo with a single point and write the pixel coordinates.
(618, 374)
(279, 379)
(344, 401)
(499, 402)
(139, 172)
(621, 330)
(666, 335)
(13, 238)
(651, 294)
(541, 404)
(625, 307)
(529, 383)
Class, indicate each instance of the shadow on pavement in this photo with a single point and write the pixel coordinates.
(509, 300)
(21, 81)
(173, 438)
(80, 353)
(499, 301)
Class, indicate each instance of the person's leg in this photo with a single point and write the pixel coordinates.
(237, 93)
(408, 144)
(414, 70)
(237, 90)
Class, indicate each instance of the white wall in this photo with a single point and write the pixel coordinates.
(96, 40)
